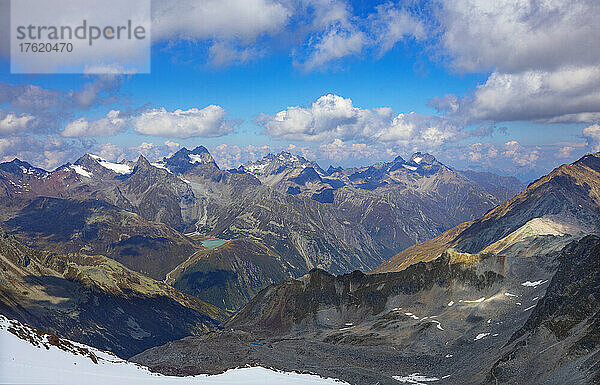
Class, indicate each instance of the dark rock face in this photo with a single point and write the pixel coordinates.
(94, 226)
(502, 187)
(307, 175)
(230, 275)
(324, 196)
(19, 167)
(570, 192)
(565, 323)
(463, 318)
(285, 307)
(96, 301)
(184, 160)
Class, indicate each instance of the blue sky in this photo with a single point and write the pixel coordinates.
(508, 86)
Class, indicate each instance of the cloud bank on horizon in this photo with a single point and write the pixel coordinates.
(536, 66)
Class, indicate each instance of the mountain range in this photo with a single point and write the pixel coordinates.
(398, 272)
(152, 217)
(511, 297)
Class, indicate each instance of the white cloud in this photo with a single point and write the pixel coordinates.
(113, 123)
(514, 36)
(207, 122)
(47, 152)
(244, 20)
(232, 155)
(336, 32)
(334, 44)
(334, 117)
(223, 53)
(109, 151)
(567, 95)
(172, 145)
(340, 151)
(543, 55)
(565, 152)
(391, 25)
(592, 135)
(520, 155)
(12, 123)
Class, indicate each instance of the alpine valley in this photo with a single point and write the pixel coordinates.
(406, 271)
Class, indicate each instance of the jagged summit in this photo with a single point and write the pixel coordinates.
(184, 160)
(281, 163)
(17, 166)
(423, 158)
(398, 159)
(333, 170)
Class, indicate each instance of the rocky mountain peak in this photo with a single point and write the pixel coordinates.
(333, 170)
(591, 161)
(423, 158)
(17, 167)
(399, 159)
(142, 163)
(184, 160)
(307, 175)
(278, 163)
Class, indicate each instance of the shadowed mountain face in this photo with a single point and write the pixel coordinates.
(563, 330)
(96, 227)
(502, 187)
(231, 274)
(569, 197)
(95, 300)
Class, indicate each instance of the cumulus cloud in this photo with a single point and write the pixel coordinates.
(207, 122)
(567, 95)
(217, 19)
(543, 55)
(515, 36)
(511, 156)
(46, 152)
(518, 154)
(337, 33)
(592, 135)
(232, 155)
(339, 151)
(334, 117)
(565, 152)
(173, 146)
(113, 123)
(11, 123)
(52, 107)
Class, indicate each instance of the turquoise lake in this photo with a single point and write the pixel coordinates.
(212, 243)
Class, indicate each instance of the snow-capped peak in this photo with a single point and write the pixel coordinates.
(277, 163)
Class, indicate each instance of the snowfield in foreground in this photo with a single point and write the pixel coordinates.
(29, 356)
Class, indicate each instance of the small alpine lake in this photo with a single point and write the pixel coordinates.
(212, 243)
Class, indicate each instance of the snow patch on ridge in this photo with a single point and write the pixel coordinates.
(119, 168)
(415, 378)
(534, 284)
(81, 171)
